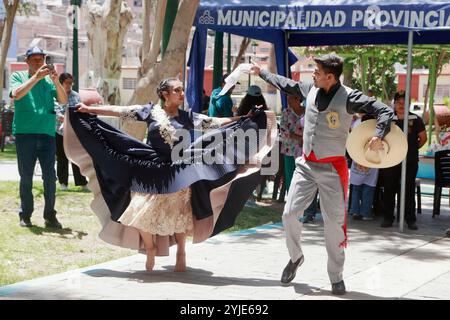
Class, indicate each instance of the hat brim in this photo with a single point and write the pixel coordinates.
(35, 54)
(358, 138)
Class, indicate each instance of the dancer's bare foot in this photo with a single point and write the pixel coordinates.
(180, 265)
(150, 264)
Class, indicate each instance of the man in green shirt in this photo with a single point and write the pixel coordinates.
(34, 92)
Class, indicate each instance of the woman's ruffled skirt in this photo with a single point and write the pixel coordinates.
(132, 192)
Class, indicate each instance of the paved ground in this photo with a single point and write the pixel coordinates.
(380, 264)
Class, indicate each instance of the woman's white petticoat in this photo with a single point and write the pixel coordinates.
(161, 214)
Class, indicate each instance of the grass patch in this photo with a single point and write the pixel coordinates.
(9, 153)
(27, 253)
(253, 217)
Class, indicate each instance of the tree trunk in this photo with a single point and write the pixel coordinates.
(5, 39)
(370, 72)
(425, 102)
(384, 88)
(348, 73)
(146, 36)
(171, 64)
(106, 29)
(426, 113)
(244, 44)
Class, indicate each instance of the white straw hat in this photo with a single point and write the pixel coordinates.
(395, 146)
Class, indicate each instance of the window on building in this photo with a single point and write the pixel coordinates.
(137, 3)
(129, 83)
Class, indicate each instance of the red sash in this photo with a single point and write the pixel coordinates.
(340, 165)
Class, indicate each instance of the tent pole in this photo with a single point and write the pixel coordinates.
(229, 53)
(286, 56)
(218, 60)
(405, 128)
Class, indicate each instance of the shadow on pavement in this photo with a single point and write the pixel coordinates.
(197, 277)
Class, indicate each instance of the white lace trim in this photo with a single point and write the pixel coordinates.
(211, 123)
(128, 113)
(166, 129)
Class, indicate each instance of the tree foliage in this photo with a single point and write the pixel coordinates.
(372, 66)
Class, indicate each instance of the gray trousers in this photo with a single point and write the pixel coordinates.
(308, 177)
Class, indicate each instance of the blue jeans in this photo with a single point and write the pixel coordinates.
(31, 147)
(362, 200)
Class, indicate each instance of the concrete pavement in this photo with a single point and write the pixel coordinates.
(10, 172)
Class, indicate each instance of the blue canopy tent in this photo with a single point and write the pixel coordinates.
(287, 23)
(315, 23)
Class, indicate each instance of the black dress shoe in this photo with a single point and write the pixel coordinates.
(53, 223)
(412, 226)
(25, 222)
(338, 288)
(291, 269)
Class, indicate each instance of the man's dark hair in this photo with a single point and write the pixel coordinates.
(331, 63)
(64, 76)
(399, 95)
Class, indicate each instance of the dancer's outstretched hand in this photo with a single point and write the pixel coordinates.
(255, 69)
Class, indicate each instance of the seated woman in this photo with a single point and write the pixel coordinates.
(148, 196)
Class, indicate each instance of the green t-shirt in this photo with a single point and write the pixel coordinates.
(34, 112)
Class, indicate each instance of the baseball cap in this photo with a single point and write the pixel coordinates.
(225, 75)
(254, 91)
(33, 51)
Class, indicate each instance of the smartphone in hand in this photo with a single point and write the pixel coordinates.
(50, 66)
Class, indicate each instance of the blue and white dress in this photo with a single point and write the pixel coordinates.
(138, 185)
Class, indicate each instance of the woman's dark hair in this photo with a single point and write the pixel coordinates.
(64, 76)
(164, 86)
(248, 102)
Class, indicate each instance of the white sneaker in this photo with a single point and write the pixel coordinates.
(63, 187)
